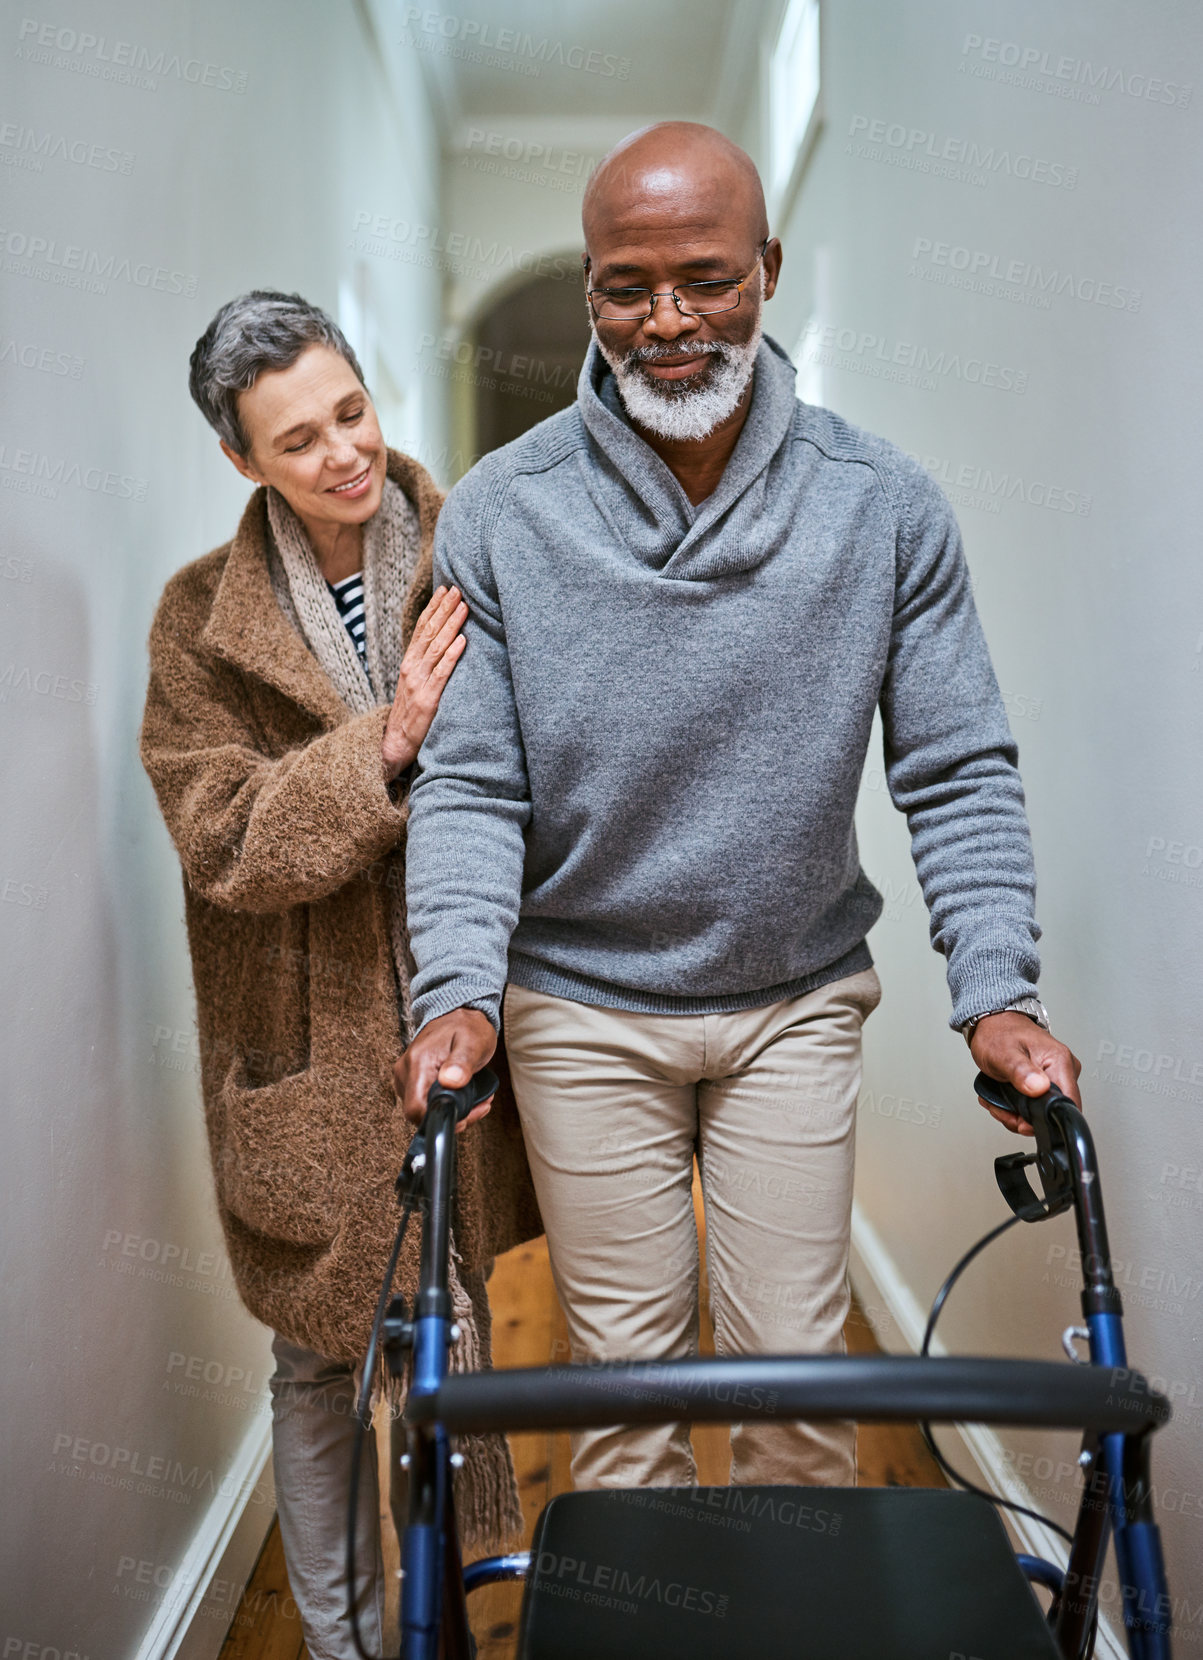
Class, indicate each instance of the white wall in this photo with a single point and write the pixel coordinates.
(1083, 543)
(119, 1489)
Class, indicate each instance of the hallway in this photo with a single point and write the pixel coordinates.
(991, 217)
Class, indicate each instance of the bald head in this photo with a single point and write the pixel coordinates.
(678, 264)
(676, 173)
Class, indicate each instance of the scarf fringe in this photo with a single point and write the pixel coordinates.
(488, 1508)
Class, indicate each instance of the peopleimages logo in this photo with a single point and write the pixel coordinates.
(156, 1475)
(963, 159)
(31, 148)
(909, 362)
(72, 266)
(33, 473)
(948, 261)
(33, 683)
(527, 160)
(414, 243)
(622, 1587)
(1010, 62)
(477, 41)
(1156, 1072)
(125, 61)
(969, 484)
(1168, 860)
(45, 359)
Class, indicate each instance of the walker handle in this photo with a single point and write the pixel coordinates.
(1009, 1099)
(479, 1087)
(1051, 1157)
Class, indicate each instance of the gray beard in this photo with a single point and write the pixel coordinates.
(684, 409)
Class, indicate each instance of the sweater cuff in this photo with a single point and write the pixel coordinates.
(991, 979)
(458, 994)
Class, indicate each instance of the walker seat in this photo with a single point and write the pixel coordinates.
(812, 1573)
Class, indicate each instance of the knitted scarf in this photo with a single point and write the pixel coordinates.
(485, 1489)
(391, 545)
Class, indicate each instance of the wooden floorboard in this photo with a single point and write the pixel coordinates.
(529, 1330)
(267, 1625)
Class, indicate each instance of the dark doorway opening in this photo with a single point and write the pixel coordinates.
(528, 348)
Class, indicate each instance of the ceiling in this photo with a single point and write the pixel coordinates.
(569, 59)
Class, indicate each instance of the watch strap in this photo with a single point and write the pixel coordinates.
(1031, 1006)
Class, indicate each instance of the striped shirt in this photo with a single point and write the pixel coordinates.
(348, 596)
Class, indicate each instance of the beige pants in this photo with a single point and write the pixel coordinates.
(614, 1106)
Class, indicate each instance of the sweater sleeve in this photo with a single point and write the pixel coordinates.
(470, 799)
(256, 832)
(951, 764)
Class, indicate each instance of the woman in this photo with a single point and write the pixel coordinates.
(294, 673)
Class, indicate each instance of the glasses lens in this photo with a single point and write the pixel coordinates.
(621, 305)
(699, 298)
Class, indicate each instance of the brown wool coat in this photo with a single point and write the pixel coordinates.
(273, 794)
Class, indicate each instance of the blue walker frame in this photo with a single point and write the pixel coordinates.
(1115, 1406)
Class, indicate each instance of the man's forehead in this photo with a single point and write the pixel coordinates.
(668, 193)
(681, 237)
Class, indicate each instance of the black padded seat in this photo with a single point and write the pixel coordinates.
(812, 1573)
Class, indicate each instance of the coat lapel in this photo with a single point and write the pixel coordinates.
(247, 628)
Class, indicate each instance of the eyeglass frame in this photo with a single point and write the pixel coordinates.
(655, 294)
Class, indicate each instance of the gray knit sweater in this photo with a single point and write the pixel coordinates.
(638, 790)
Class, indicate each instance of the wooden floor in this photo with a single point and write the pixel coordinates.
(529, 1330)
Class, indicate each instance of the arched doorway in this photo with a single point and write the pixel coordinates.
(527, 351)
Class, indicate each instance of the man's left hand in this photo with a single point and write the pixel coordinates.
(1013, 1049)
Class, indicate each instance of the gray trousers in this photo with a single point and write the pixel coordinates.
(313, 1430)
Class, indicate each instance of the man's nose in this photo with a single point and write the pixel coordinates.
(666, 321)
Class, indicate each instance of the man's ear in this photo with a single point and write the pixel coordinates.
(243, 466)
(772, 266)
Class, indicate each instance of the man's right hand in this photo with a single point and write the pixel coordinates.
(450, 1048)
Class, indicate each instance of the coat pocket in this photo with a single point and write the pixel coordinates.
(275, 1172)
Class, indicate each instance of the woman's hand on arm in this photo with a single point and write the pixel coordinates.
(432, 653)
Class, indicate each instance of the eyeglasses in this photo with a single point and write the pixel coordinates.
(692, 299)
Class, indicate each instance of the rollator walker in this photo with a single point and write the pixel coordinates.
(768, 1572)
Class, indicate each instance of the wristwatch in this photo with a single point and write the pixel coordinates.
(1031, 1006)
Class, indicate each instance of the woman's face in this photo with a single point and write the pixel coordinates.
(314, 438)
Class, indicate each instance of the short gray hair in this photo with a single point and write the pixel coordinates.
(256, 332)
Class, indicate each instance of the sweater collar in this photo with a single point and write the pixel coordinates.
(656, 518)
(247, 628)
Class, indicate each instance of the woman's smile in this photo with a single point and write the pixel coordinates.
(354, 487)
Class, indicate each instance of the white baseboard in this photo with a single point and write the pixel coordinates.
(192, 1624)
(895, 1312)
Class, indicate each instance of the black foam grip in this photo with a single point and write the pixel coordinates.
(1009, 1099)
(479, 1087)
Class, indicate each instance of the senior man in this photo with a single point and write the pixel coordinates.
(687, 596)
